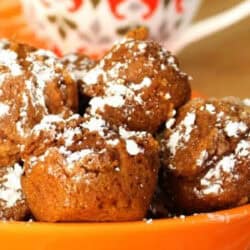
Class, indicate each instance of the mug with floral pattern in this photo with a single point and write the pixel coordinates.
(91, 26)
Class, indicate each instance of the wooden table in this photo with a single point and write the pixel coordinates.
(220, 64)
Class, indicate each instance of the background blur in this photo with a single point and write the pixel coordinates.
(220, 64)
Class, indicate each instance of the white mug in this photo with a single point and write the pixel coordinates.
(91, 26)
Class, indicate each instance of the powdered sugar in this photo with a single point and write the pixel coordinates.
(243, 149)
(129, 137)
(132, 147)
(4, 109)
(146, 82)
(10, 188)
(169, 123)
(210, 108)
(181, 133)
(247, 102)
(95, 124)
(92, 76)
(212, 182)
(47, 123)
(8, 58)
(167, 96)
(20, 125)
(71, 158)
(69, 136)
(233, 129)
(202, 158)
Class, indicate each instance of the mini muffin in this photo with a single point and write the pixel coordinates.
(33, 84)
(137, 84)
(42, 69)
(206, 156)
(79, 170)
(12, 203)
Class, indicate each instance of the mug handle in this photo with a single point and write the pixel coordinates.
(213, 24)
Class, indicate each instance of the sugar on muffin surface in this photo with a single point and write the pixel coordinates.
(13, 205)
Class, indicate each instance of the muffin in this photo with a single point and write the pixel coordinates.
(33, 84)
(12, 203)
(55, 88)
(206, 156)
(137, 84)
(78, 169)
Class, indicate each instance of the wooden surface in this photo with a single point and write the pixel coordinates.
(220, 64)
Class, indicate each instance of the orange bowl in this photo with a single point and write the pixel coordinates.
(228, 229)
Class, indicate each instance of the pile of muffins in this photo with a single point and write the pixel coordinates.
(116, 139)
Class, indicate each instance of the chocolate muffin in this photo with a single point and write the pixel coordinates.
(78, 169)
(206, 156)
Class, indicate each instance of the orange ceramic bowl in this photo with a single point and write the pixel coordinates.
(228, 229)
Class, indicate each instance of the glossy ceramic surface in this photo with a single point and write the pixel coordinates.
(229, 229)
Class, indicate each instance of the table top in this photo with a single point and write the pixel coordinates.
(220, 64)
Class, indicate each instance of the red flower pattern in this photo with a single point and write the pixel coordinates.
(113, 4)
(152, 4)
(179, 6)
(76, 6)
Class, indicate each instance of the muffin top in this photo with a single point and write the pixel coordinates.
(207, 133)
(81, 141)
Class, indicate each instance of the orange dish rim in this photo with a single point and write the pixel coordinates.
(168, 223)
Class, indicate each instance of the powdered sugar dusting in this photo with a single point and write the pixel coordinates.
(210, 108)
(247, 102)
(182, 133)
(243, 149)
(133, 148)
(146, 82)
(129, 137)
(47, 123)
(8, 59)
(212, 182)
(4, 109)
(71, 158)
(233, 129)
(20, 124)
(202, 158)
(10, 188)
(169, 123)
(77, 65)
(95, 124)
(92, 76)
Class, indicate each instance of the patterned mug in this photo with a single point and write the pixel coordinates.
(91, 26)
